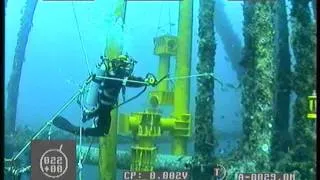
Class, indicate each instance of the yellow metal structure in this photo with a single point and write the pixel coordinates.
(108, 144)
(108, 151)
(147, 126)
(123, 125)
(312, 113)
(165, 45)
(163, 97)
(164, 66)
(183, 68)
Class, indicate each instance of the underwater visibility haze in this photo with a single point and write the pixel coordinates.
(197, 89)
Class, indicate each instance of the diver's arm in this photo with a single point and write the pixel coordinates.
(96, 80)
(140, 82)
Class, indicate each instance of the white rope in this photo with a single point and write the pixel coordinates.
(47, 124)
(50, 132)
(80, 166)
(158, 28)
(80, 153)
(81, 40)
(82, 157)
(81, 97)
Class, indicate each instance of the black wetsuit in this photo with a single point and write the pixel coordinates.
(108, 98)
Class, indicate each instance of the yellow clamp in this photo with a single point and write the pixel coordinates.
(150, 80)
(312, 111)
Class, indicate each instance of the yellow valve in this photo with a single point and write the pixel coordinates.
(312, 111)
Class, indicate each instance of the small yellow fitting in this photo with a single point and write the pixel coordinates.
(312, 111)
(182, 126)
(134, 121)
(177, 126)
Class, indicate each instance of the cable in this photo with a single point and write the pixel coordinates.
(81, 40)
(170, 20)
(125, 13)
(65, 106)
(134, 97)
(158, 28)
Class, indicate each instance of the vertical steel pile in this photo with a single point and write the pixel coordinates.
(314, 8)
(303, 41)
(259, 83)
(230, 39)
(204, 133)
(19, 58)
(183, 68)
(114, 46)
(283, 65)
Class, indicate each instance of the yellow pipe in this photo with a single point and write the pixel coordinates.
(123, 125)
(183, 64)
(164, 65)
(108, 151)
(167, 124)
(108, 144)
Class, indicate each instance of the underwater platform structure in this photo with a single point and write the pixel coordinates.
(147, 126)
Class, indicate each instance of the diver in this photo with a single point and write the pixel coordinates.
(107, 95)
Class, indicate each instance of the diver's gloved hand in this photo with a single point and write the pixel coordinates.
(94, 76)
(151, 80)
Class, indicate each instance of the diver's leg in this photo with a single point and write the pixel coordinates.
(103, 125)
(62, 123)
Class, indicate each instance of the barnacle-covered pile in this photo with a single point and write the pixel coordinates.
(258, 84)
(204, 138)
(283, 63)
(258, 90)
(303, 46)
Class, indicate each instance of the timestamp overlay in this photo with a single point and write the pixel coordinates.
(266, 176)
(159, 175)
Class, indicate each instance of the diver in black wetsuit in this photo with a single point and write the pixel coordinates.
(121, 68)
